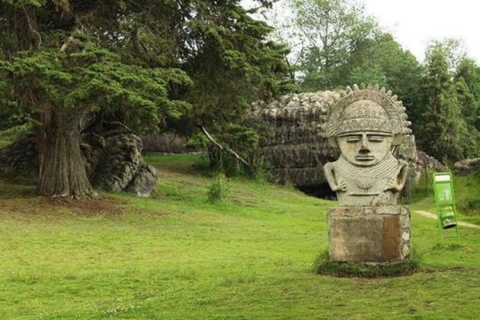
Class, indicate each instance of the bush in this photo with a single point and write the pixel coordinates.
(219, 189)
(469, 207)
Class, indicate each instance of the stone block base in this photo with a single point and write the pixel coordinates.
(377, 234)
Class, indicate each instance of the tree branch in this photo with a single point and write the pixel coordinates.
(31, 28)
(219, 146)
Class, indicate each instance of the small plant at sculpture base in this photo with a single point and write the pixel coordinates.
(324, 266)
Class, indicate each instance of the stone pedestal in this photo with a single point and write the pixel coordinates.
(376, 234)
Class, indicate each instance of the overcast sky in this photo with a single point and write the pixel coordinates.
(415, 22)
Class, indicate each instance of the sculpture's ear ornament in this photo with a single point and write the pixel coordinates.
(356, 107)
(332, 142)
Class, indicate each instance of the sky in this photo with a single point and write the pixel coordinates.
(415, 22)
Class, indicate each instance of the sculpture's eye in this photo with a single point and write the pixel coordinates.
(375, 138)
(353, 139)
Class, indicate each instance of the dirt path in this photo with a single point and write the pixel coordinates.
(434, 216)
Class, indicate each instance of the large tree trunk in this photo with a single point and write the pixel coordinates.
(62, 167)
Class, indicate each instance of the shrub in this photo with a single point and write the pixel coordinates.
(219, 189)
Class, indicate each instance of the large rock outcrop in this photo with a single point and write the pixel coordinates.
(290, 143)
(165, 143)
(113, 163)
(467, 166)
(428, 163)
(19, 159)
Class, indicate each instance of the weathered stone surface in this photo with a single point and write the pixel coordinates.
(356, 238)
(369, 234)
(20, 158)
(428, 163)
(366, 125)
(289, 140)
(467, 166)
(391, 240)
(166, 143)
(144, 181)
(93, 149)
(120, 162)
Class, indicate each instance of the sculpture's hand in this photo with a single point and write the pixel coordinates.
(341, 187)
(392, 185)
(397, 183)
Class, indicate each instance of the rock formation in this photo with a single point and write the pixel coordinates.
(165, 143)
(467, 166)
(289, 140)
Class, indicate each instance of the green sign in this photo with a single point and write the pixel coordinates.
(445, 199)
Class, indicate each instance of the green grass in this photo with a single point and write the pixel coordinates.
(177, 256)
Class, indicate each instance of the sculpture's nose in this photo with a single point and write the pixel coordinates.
(364, 147)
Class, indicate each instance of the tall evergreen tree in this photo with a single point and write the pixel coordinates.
(467, 78)
(443, 132)
(145, 63)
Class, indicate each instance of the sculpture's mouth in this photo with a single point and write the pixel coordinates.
(365, 158)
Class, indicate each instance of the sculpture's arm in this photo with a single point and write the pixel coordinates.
(337, 186)
(396, 184)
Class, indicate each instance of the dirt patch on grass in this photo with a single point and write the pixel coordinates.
(47, 206)
(87, 207)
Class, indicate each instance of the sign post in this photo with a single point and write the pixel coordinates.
(445, 199)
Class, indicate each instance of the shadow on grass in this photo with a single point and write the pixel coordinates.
(22, 197)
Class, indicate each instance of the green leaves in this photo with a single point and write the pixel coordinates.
(445, 133)
(329, 30)
(92, 80)
(150, 64)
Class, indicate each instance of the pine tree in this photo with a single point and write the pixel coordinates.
(150, 64)
(467, 77)
(443, 133)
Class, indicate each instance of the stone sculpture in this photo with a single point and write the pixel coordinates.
(367, 124)
(365, 131)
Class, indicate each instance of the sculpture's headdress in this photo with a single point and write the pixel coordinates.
(366, 109)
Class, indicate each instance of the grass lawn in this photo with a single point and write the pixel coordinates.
(467, 196)
(176, 256)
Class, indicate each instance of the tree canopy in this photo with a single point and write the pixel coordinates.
(149, 64)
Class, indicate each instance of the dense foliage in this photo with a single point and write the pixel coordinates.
(152, 65)
(449, 122)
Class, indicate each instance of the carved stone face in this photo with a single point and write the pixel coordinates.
(365, 148)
